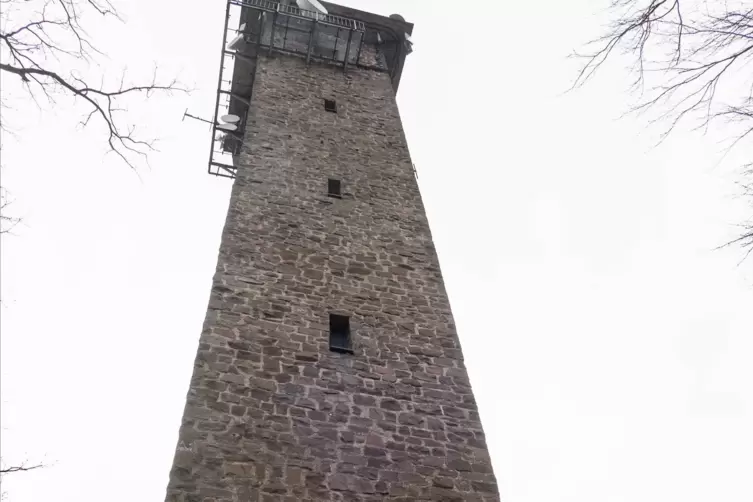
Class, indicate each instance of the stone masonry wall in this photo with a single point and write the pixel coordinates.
(272, 415)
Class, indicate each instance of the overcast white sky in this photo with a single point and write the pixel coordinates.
(608, 345)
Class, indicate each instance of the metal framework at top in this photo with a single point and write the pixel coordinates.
(294, 11)
(265, 26)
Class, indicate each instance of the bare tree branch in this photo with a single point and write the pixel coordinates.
(694, 55)
(54, 34)
(20, 468)
(120, 140)
(7, 222)
(12, 469)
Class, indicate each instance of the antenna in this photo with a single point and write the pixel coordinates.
(312, 5)
(240, 37)
(186, 114)
(229, 122)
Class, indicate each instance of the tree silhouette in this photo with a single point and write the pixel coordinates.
(43, 43)
(690, 62)
(12, 469)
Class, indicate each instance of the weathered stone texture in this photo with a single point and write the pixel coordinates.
(272, 415)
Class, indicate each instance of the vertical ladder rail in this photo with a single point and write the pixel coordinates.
(219, 83)
(272, 32)
(311, 41)
(347, 50)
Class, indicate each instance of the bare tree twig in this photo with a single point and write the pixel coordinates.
(7, 222)
(54, 33)
(695, 56)
(120, 140)
(13, 469)
(20, 468)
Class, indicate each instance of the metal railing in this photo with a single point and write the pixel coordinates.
(312, 35)
(294, 11)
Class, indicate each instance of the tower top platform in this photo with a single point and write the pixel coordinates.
(342, 37)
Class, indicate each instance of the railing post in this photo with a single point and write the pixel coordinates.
(347, 50)
(360, 46)
(311, 40)
(272, 31)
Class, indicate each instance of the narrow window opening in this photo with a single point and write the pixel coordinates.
(330, 105)
(339, 334)
(334, 188)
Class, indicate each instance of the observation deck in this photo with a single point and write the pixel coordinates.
(343, 37)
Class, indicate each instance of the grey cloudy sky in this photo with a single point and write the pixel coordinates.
(608, 345)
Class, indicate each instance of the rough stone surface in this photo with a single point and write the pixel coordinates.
(272, 414)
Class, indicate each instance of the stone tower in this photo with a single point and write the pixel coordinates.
(328, 368)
